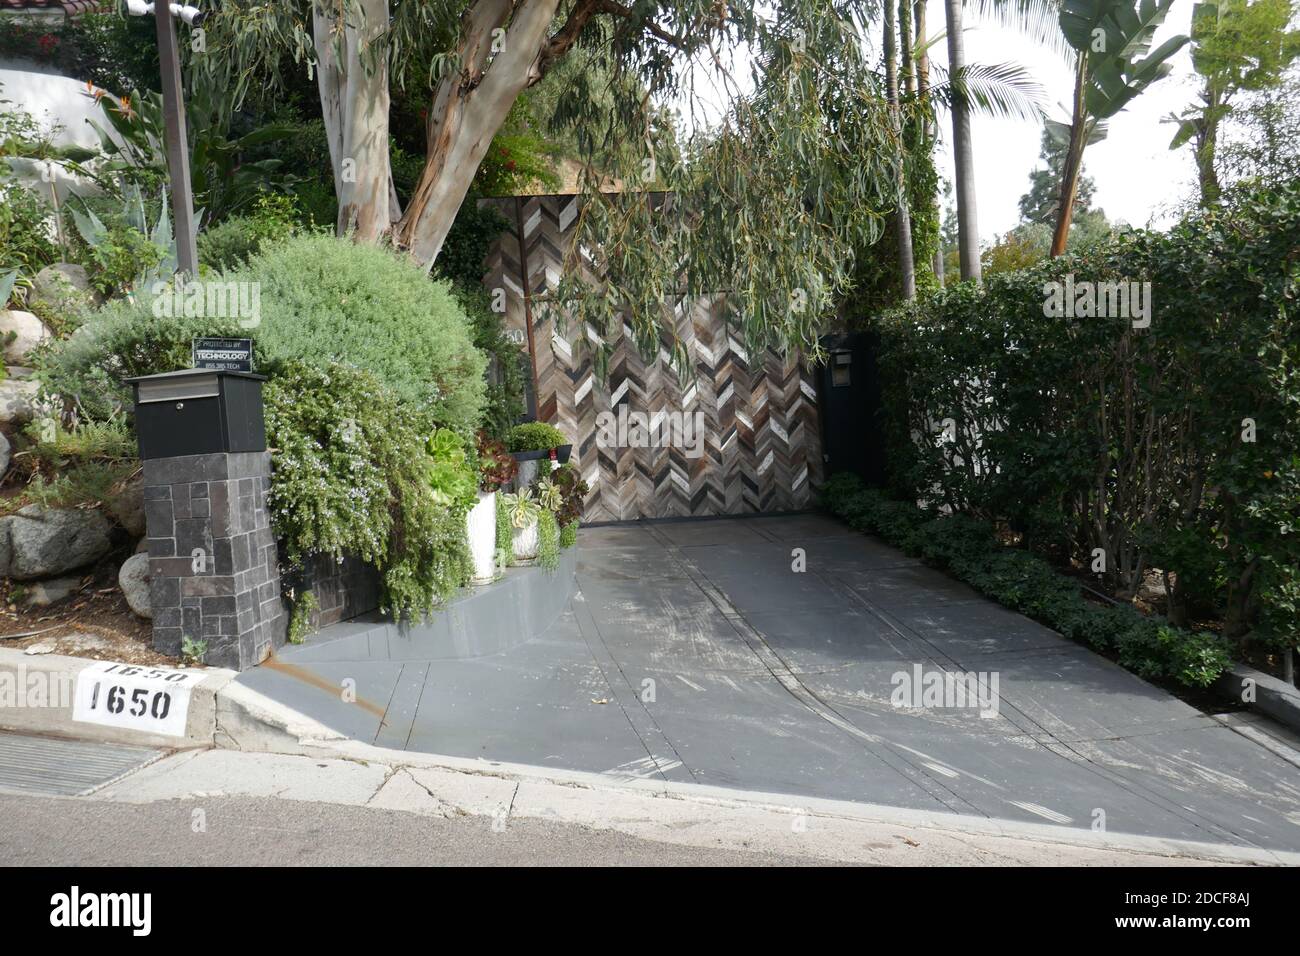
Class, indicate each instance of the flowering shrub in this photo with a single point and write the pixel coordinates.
(352, 475)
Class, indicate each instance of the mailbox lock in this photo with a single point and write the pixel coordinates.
(180, 405)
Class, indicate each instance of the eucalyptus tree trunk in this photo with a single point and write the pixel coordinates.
(353, 83)
(468, 107)
(902, 216)
(968, 238)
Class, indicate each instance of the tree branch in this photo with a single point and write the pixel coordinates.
(563, 40)
(618, 10)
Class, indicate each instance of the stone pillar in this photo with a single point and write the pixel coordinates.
(212, 557)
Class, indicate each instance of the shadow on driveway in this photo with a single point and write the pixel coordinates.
(696, 651)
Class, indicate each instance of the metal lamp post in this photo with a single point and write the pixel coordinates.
(175, 134)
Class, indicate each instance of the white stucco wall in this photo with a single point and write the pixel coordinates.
(61, 105)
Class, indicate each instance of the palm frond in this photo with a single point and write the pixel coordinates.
(995, 89)
(1037, 19)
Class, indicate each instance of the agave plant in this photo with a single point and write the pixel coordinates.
(99, 236)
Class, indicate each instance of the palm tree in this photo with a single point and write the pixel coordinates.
(968, 235)
(902, 216)
(1036, 18)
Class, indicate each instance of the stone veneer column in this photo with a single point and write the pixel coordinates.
(212, 558)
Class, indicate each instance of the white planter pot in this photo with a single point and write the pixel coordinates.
(526, 541)
(481, 528)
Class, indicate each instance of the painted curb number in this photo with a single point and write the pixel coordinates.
(151, 699)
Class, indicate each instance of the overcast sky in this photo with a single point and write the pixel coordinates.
(1139, 180)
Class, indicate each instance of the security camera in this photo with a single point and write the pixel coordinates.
(191, 15)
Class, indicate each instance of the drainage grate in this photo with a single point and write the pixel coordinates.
(65, 768)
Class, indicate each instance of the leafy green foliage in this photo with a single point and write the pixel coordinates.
(536, 436)
(548, 541)
(300, 620)
(326, 299)
(352, 475)
(224, 179)
(1087, 433)
(233, 242)
(505, 535)
(77, 467)
(123, 254)
(968, 549)
(504, 395)
(118, 53)
(452, 473)
(321, 299)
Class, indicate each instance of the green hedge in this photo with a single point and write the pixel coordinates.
(968, 549)
(1082, 434)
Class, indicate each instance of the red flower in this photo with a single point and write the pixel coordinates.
(511, 165)
(47, 42)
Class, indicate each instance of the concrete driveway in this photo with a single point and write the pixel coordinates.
(696, 651)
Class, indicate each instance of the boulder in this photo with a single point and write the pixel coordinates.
(6, 451)
(18, 400)
(63, 287)
(6, 551)
(20, 332)
(127, 507)
(45, 593)
(44, 542)
(133, 579)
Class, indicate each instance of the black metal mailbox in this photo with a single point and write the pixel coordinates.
(198, 411)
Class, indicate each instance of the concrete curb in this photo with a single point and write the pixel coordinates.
(54, 677)
(1273, 696)
(607, 802)
(230, 716)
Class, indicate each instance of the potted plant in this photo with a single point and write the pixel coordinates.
(524, 513)
(532, 442)
(573, 493)
(495, 470)
(455, 481)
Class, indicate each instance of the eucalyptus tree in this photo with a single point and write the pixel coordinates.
(1238, 46)
(772, 195)
(1114, 63)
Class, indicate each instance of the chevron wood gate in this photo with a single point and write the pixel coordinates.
(760, 448)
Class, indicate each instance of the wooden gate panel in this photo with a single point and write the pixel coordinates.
(760, 448)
